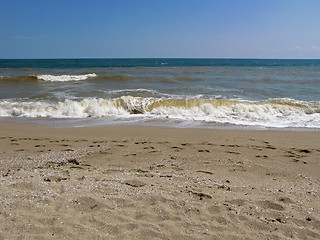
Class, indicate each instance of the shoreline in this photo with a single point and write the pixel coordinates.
(173, 124)
(119, 130)
(129, 182)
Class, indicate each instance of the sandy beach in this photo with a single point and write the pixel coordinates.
(121, 182)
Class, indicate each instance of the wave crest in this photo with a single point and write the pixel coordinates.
(270, 113)
(65, 78)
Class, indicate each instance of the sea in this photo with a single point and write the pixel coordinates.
(184, 93)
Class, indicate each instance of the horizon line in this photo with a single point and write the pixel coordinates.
(237, 58)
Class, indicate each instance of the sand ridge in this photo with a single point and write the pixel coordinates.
(158, 183)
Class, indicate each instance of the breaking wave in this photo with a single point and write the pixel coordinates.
(65, 78)
(270, 113)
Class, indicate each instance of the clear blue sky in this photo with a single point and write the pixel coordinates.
(160, 28)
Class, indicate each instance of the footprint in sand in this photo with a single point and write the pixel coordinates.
(214, 209)
(238, 202)
(237, 153)
(150, 147)
(54, 179)
(271, 147)
(233, 146)
(206, 172)
(177, 148)
(88, 204)
(68, 150)
(270, 205)
(285, 200)
(39, 146)
(204, 150)
(134, 183)
(185, 144)
(304, 151)
(200, 195)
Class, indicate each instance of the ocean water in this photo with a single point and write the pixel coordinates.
(210, 93)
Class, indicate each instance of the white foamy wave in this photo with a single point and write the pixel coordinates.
(68, 109)
(65, 78)
(266, 115)
(272, 113)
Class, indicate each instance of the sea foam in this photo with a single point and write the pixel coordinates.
(65, 78)
(271, 113)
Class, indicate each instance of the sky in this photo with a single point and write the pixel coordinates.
(159, 28)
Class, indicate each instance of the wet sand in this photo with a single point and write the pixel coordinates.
(117, 182)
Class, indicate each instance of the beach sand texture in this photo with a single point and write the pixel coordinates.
(121, 182)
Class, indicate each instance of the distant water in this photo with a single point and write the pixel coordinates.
(214, 93)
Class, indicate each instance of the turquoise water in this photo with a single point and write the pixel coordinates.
(176, 92)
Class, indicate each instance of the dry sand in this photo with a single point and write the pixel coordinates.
(158, 183)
